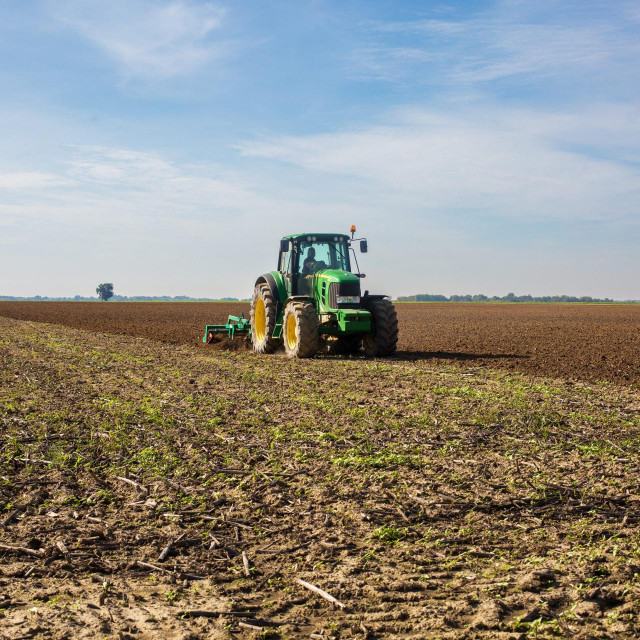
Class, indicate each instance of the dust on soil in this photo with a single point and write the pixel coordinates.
(431, 500)
(579, 341)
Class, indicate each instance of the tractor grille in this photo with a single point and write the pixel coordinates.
(343, 289)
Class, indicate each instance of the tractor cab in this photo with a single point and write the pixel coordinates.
(305, 255)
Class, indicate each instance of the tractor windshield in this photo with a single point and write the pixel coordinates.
(323, 253)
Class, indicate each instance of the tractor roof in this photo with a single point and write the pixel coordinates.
(296, 236)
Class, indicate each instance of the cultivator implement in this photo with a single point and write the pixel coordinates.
(235, 326)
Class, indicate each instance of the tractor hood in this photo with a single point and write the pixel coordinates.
(336, 275)
(336, 289)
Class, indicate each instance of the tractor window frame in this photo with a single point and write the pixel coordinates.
(337, 250)
(295, 253)
(285, 260)
(343, 243)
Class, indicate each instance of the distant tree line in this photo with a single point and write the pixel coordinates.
(510, 297)
(124, 299)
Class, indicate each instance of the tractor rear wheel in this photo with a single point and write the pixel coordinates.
(300, 329)
(383, 339)
(264, 310)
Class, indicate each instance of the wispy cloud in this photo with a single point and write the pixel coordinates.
(146, 37)
(506, 163)
(123, 168)
(390, 64)
(25, 180)
(144, 192)
(143, 185)
(496, 45)
(516, 49)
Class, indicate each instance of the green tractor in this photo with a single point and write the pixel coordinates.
(314, 295)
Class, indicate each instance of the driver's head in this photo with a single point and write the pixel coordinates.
(311, 253)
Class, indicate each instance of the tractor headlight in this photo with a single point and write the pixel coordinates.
(348, 299)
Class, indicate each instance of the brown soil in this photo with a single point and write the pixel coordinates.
(176, 322)
(588, 342)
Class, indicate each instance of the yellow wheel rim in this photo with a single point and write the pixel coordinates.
(292, 339)
(260, 320)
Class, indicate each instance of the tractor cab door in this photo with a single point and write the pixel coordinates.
(289, 266)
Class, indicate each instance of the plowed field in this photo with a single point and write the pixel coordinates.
(152, 490)
(589, 342)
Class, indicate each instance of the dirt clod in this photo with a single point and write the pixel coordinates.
(536, 581)
(489, 615)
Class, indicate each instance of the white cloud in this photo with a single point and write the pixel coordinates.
(142, 192)
(507, 163)
(26, 180)
(119, 167)
(146, 37)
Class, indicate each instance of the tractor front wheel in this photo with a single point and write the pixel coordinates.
(300, 330)
(383, 339)
(264, 312)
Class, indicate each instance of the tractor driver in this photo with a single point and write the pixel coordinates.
(309, 262)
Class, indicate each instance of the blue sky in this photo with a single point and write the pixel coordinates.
(166, 145)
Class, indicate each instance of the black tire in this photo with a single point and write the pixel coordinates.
(383, 339)
(263, 318)
(300, 330)
(345, 345)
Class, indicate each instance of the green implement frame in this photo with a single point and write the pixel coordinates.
(235, 325)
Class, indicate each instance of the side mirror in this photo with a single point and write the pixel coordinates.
(284, 245)
(363, 246)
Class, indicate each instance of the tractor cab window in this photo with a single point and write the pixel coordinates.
(318, 254)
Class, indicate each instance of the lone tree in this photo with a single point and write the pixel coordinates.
(105, 291)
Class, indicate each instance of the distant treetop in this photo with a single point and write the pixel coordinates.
(105, 291)
(510, 297)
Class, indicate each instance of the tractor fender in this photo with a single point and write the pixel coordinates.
(276, 285)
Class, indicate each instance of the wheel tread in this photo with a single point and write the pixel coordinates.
(307, 324)
(269, 344)
(386, 324)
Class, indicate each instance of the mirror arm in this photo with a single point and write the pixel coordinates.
(356, 259)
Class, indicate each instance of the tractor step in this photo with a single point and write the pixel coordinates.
(235, 326)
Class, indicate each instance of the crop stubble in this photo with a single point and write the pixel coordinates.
(589, 342)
